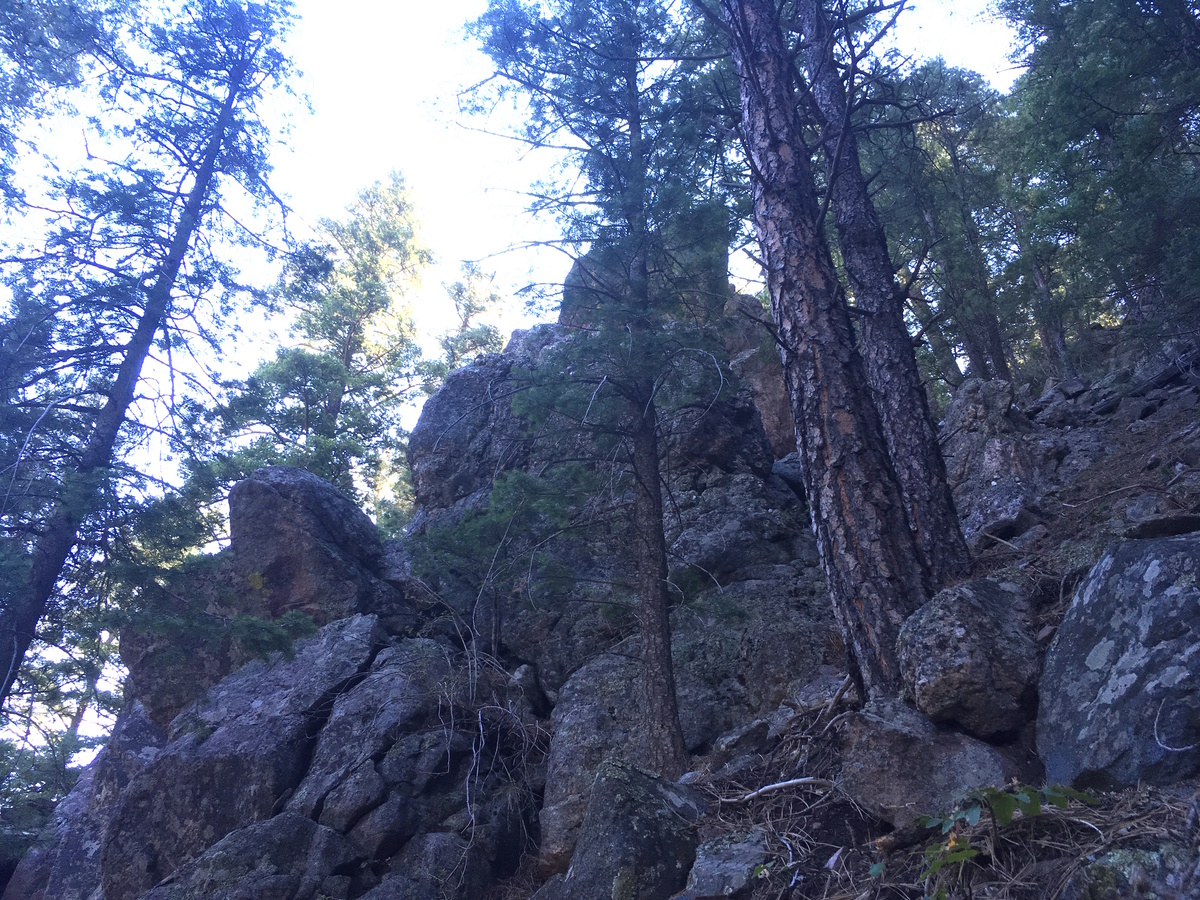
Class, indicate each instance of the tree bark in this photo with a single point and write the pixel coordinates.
(80, 490)
(666, 754)
(867, 551)
(887, 349)
(943, 353)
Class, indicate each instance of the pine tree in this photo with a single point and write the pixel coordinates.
(870, 559)
(617, 84)
(128, 263)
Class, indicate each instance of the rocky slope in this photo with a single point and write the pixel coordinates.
(434, 739)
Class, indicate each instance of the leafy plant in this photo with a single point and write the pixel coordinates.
(1002, 805)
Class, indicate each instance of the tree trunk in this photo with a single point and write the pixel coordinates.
(80, 490)
(666, 754)
(867, 551)
(943, 353)
(887, 349)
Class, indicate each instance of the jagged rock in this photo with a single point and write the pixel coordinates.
(1120, 692)
(306, 546)
(736, 522)
(967, 658)
(725, 866)
(997, 462)
(594, 718)
(737, 648)
(254, 731)
(399, 695)
(636, 841)
(442, 866)
(288, 857)
(65, 863)
(899, 765)
(466, 436)
(754, 358)
(735, 651)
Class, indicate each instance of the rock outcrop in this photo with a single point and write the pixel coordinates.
(967, 657)
(1120, 694)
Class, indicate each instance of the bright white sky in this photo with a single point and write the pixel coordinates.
(382, 78)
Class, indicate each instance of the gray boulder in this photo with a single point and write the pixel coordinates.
(286, 858)
(967, 657)
(231, 757)
(725, 866)
(304, 545)
(1120, 692)
(636, 842)
(900, 766)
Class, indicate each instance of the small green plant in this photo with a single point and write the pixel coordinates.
(954, 847)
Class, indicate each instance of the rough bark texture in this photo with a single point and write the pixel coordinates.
(667, 756)
(887, 350)
(80, 492)
(867, 550)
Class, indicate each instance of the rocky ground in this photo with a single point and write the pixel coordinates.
(438, 740)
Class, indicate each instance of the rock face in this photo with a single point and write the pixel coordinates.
(254, 731)
(899, 766)
(301, 542)
(636, 841)
(1120, 693)
(968, 658)
(754, 358)
(998, 462)
(753, 613)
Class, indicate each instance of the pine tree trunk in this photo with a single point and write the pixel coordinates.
(867, 551)
(943, 353)
(666, 755)
(887, 348)
(80, 489)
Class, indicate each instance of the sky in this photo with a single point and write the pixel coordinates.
(383, 80)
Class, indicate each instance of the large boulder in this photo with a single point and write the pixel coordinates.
(305, 546)
(1120, 692)
(967, 657)
(899, 766)
(288, 857)
(636, 843)
(255, 731)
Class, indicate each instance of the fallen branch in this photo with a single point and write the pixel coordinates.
(822, 783)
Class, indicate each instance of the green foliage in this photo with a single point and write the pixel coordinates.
(1001, 805)
(514, 547)
(1106, 122)
(331, 402)
(473, 296)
